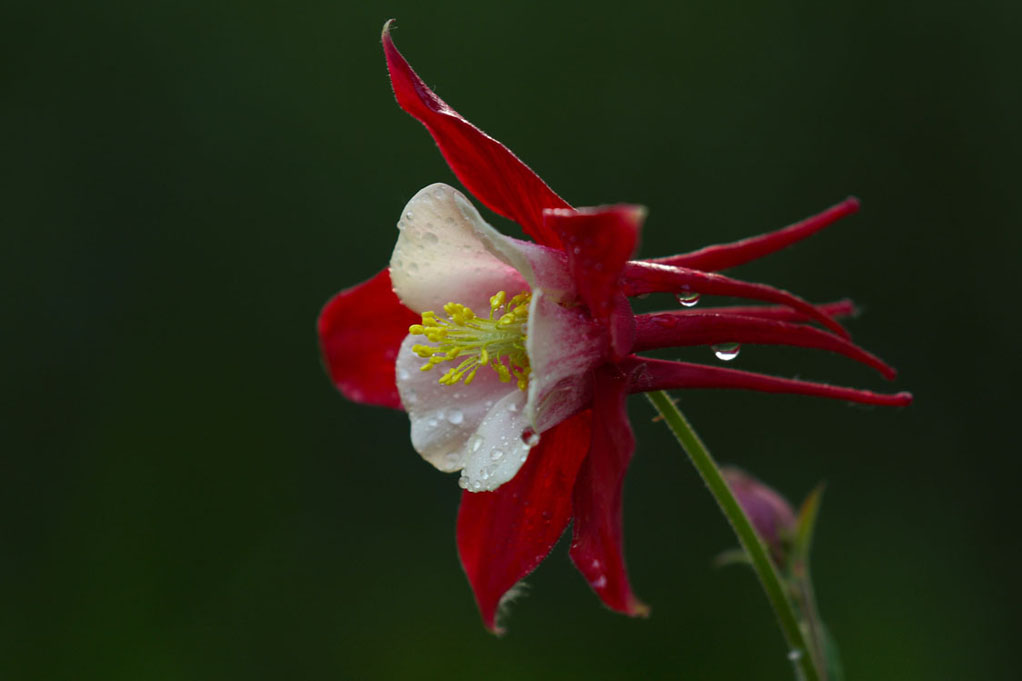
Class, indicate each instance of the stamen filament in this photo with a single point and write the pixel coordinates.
(497, 341)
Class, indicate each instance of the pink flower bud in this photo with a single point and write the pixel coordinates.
(770, 513)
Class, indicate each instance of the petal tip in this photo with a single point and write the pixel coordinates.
(637, 608)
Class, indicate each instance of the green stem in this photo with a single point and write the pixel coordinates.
(750, 541)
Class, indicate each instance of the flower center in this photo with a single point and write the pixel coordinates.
(497, 342)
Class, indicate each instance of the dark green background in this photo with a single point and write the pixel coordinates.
(184, 496)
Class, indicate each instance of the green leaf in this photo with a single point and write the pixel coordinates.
(806, 526)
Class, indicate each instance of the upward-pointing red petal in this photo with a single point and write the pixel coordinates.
(487, 168)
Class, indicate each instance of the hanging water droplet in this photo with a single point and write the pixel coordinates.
(726, 351)
(463, 482)
(687, 298)
(530, 437)
(455, 416)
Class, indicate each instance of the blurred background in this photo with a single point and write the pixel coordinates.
(183, 495)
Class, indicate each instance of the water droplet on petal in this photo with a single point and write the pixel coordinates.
(496, 455)
(687, 298)
(475, 443)
(530, 437)
(403, 375)
(512, 407)
(455, 416)
(430, 237)
(726, 351)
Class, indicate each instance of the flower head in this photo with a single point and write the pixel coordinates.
(514, 358)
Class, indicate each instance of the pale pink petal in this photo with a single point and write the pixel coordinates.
(564, 345)
(442, 255)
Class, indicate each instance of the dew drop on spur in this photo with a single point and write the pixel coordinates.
(726, 351)
(687, 298)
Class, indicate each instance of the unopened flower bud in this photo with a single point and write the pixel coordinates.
(769, 512)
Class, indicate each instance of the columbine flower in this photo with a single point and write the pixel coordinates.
(513, 359)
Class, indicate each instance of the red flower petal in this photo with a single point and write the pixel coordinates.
(360, 332)
(838, 309)
(646, 277)
(596, 547)
(673, 329)
(656, 374)
(713, 258)
(487, 168)
(504, 534)
(598, 243)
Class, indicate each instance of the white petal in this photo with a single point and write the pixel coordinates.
(476, 427)
(496, 451)
(441, 255)
(563, 346)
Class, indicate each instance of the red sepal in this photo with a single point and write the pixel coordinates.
(598, 243)
(597, 546)
(504, 534)
(487, 168)
(676, 329)
(713, 258)
(656, 374)
(640, 277)
(360, 332)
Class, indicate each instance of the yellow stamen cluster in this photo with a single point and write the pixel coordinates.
(497, 341)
